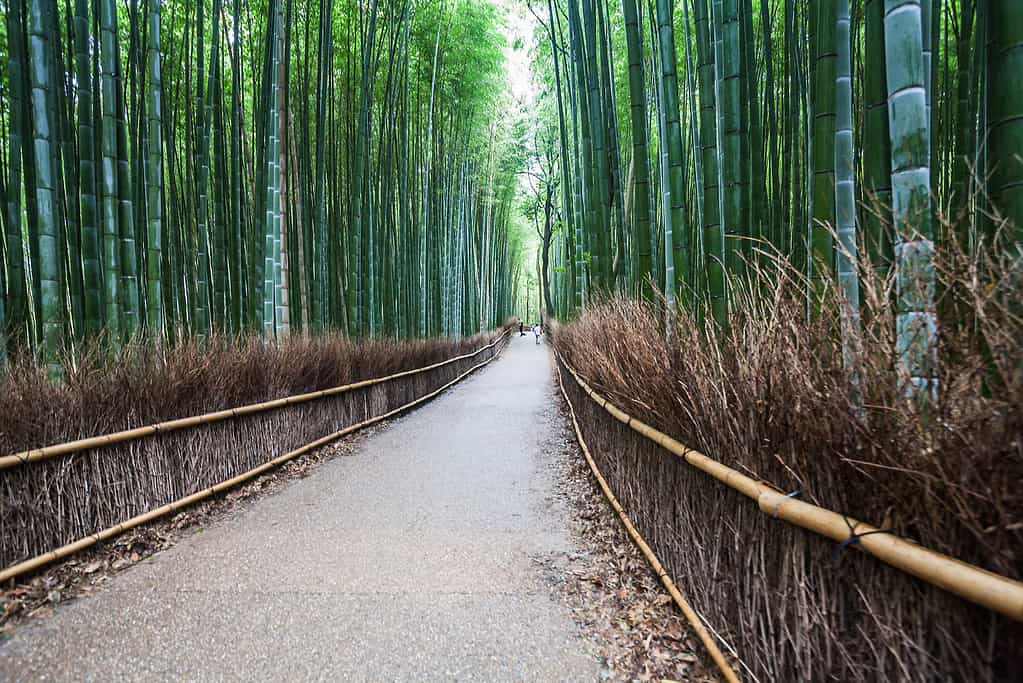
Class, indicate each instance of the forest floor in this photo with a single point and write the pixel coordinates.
(463, 541)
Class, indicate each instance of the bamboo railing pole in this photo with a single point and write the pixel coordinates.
(970, 582)
(82, 543)
(55, 450)
(690, 614)
(979, 586)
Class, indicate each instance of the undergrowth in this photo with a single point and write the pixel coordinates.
(141, 383)
(55, 501)
(770, 395)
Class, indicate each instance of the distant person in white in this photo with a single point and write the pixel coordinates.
(537, 330)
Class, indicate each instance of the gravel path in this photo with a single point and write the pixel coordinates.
(413, 560)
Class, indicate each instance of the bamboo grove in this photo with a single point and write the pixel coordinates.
(697, 137)
(191, 168)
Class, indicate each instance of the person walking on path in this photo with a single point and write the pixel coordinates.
(537, 330)
(522, 332)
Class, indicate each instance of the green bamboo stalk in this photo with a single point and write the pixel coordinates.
(698, 269)
(667, 218)
(139, 143)
(3, 305)
(51, 303)
(730, 160)
(129, 288)
(281, 294)
(755, 195)
(772, 216)
(17, 296)
(426, 173)
(673, 145)
(601, 229)
(87, 174)
(221, 231)
(154, 178)
(204, 319)
(567, 170)
(271, 239)
(964, 120)
(978, 153)
(578, 197)
(109, 175)
(877, 164)
(845, 201)
(66, 170)
(618, 270)
(927, 39)
(590, 262)
(795, 144)
(239, 292)
(1005, 112)
(713, 235)
(821, 264)
(911, 207)
(640, 153)
(362, 228)
(320, 291)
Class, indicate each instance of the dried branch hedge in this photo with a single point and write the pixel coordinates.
(770, 398)
(49, 503)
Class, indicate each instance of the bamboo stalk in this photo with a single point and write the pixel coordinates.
(655, 564)
(82, 543)
(36, 454)
(979, 586)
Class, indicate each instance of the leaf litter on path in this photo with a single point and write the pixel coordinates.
(615, 597)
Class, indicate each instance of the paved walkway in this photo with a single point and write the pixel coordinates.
(409, 561)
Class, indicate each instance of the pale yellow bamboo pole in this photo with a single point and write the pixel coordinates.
(980, 586)
(82, 543)
(55, 450)
(655, 564)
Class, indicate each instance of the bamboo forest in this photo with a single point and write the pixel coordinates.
(188, 168)
(746, 273)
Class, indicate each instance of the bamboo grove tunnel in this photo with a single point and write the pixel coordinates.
(511, 339)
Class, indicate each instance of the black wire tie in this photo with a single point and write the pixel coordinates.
(853, 539)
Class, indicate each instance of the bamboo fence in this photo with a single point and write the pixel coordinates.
(690, 614)
(80, 499)
(921, 644)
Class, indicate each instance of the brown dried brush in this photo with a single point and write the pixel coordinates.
(770, 396)
(52, 502)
